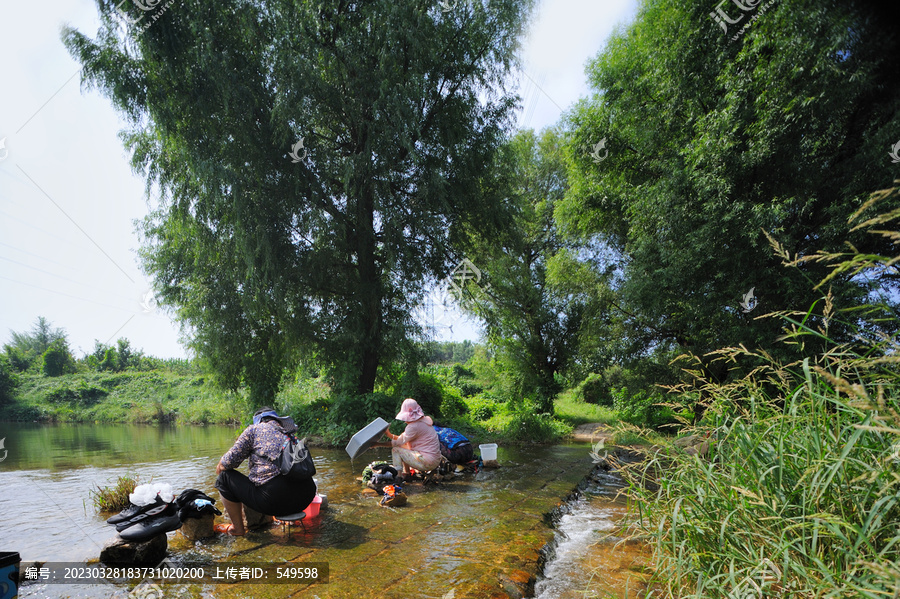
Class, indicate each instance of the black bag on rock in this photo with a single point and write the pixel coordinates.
(296, 461)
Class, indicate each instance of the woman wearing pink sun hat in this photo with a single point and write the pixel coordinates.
(418, 447)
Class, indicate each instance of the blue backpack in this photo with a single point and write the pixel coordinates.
(449, 438)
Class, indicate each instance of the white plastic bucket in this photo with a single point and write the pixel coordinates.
(488, 452)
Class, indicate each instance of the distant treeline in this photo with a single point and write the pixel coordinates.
(449, 352)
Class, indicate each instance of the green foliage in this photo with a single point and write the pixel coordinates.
(114, 359)
(528, 426)
(38, 339)
(18, 359)
(643, 409)
(426, 389)
(469, 389)
(9, 380)
(801, 495)
(80, 392)
(116, 497)
(27, 349)
(459, 372)
(57, 359)
(595, 389)
(452, 404)
(355, 411)
(713, 146)
(529, 323)
(110, 361)
(269, 259)
(444, 352)
(482, 412)
(137, 397)
(574, 411)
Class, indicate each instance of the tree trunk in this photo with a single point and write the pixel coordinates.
(370, 293)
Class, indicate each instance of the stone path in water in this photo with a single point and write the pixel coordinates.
(470, 537)
(591, 432)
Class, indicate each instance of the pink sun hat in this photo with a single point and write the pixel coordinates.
(410, 410)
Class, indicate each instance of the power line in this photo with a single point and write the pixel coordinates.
(84, 299)
(75, 223)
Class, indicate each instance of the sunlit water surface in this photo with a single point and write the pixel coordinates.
(475, 536)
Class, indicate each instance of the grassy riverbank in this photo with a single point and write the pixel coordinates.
(801, 498)
(166, 397)
(158, 396)
(799, 493)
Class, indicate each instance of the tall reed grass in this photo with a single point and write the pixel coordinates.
(800, 494)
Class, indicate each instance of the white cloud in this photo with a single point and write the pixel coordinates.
(563, 36)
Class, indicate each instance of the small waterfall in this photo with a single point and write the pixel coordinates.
(587, 558)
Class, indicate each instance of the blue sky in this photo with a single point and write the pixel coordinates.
(68, 199)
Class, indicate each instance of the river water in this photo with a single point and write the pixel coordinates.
(474, 536)
(591, 555)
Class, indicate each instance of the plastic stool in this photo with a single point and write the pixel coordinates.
(291, 520)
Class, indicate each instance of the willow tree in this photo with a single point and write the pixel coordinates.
(314, 163)
(535, 326)
(699, 145)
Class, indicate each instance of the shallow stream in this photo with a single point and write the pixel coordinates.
(474, 536)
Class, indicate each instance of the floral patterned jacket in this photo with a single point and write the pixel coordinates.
(262, 444)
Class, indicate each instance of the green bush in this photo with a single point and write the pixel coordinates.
(482, 413)
(425, 389)
(595, 390)
(57, 360)
(470, 389)
(482, 407)
(452, 405)
(9, 380)
(19, 360)
(528, 426)
(80, 392)
(352, 412)
(642, 409)
(458, 371)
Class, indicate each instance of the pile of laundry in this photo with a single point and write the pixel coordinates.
(154, 510)
(383, 479)
(378, 474)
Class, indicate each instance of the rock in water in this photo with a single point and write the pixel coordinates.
(118, 551)
(195, 529)
(255, 519)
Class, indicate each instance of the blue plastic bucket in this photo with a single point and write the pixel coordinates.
(9, 574)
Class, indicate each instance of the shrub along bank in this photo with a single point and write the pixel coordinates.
(480, 398)
(477, 405)
(158, 396)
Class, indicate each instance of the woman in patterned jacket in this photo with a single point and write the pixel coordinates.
(265, 490)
